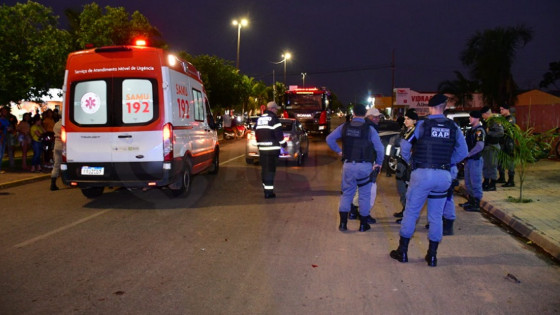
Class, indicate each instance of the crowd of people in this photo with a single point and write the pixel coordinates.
(33, 134)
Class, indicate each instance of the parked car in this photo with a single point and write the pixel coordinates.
(461, 119)
(295, 136)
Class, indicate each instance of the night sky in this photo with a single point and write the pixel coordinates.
(347, 45)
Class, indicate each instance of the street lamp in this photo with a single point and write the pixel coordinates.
(239, 24)
(286, 56)
(303, 75)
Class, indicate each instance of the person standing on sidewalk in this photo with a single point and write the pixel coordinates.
(362, 155)
(437, 145)
(4, 125)
(57, 154)
(508, 147)
(494, 133)
(270, 138)
(24, 138)
(36, 132)
(475, 138)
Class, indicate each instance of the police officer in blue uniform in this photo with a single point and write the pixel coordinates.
(362, 155)
(269, 135)
(437, 145)
(475, 137)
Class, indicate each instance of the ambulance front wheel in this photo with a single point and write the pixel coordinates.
(92, 192)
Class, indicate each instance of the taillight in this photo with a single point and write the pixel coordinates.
(168, 142)
(323, 118)
(63, 139)
(251, 135)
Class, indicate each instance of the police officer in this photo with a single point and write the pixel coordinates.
(437, 144)
(494, 133)
(270, 138)
(508, 147)
(403, 171)
(475, 138)
(362, 155)
(373, 116)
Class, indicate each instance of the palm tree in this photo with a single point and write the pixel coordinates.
(462, 89)
(490, 55)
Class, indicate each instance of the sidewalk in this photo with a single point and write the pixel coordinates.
(538, 221)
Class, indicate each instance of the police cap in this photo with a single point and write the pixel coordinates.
(437, 99)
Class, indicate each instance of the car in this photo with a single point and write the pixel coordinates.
(296, 138)
(461, 119)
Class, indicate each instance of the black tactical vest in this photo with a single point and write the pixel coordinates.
(434, 147)
(356, 142)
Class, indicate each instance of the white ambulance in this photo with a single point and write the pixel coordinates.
(137, 117)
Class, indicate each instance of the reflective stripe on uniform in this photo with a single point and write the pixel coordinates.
(270, 148)
(268, 187)
(269, 127)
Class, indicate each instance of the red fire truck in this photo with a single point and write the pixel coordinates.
(311, 107)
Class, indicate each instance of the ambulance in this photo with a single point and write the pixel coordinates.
(136, 117)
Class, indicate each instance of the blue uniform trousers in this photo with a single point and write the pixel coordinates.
(352, 175)
(426, 184)
(473, 177)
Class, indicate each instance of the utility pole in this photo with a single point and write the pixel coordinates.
(393, 81)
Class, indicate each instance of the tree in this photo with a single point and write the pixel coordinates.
(528, 148)
(113, 26)
(32, 52)
(551, 76)
(462, 89)
(490, 55)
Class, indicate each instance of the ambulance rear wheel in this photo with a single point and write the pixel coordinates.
(186, 180)
(92, 192)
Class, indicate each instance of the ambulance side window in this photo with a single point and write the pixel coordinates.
(90, 103)
(137, 101)
(198, 105)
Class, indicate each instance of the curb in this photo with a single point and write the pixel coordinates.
(24, 181)
(520, 227)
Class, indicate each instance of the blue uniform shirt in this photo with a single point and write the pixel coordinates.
(459, 152)
(377, 145)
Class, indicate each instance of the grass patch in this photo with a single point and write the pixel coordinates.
(517, 200)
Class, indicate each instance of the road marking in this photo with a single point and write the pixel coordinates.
(235, 158)
(40, 237)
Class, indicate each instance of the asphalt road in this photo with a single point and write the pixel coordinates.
(227, 250)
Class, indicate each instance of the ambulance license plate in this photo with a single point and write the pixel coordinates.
(93, 170)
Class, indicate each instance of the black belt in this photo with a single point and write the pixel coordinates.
(445, 167)
(348, 161)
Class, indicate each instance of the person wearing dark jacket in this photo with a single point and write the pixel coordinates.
(270, 138)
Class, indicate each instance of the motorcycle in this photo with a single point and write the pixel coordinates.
(236, 131)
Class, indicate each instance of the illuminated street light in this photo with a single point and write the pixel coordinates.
(239, 24)
(286, 56)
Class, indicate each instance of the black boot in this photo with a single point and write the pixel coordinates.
(364, 225)
(399, 214)
(447, 226)
(473, 207)
(353, 212)
(343, 226)
(401, 253)
(485, 184)
(431, 258)
(468, 202)
(371, 220)
(268, 194)
(491, 185)
(510, 182)
(501, 177)
(53, 184)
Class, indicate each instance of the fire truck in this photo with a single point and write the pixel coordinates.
(311, 107)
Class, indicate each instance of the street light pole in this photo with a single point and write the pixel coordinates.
(239, 24)
(303, 75)
(286, 56)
